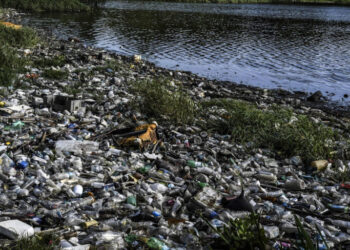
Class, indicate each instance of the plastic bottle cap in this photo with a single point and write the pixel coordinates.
(23, 164)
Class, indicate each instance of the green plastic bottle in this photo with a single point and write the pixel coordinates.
(130, 238)
(202, 184)
(195, 164)
(144, 169)
(154, 243)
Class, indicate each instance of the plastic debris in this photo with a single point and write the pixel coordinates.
(15, 229)
(97, 173)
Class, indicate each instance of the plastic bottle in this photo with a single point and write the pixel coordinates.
(154, 243)
(84, 201)
(157, 187)
(271, 232)
(144, 170)
(62, 176)
(176, 207)
(266, 176)
(195, 164)
(340, 223)
(97, 185)
(339, 208)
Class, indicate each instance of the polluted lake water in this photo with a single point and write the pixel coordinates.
(298, 48)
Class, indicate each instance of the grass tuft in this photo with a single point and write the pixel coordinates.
(305, 239)
(44, 242)
(112, 65)
(55, 74)
(277, 129)
(243, 233)
(159, 99)
(10, 65)
(18, 38)
(45, 5)
(57, 61)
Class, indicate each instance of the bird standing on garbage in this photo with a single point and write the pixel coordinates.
(239, 203)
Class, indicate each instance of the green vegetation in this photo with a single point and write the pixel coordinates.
(44, 242)
(159, 99)
(11, 63)
(19, 38)
(45, 5)
(112, 65)
(244, 233)
(305, 241)
(76, 88)
(57, 61)
(277, 129)
(55, 74)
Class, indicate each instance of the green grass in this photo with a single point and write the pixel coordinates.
(159, 99)
(305, 239)
(55, 74)
(45, 5)
(74, 89)
(11, 63)
(44, 242)
(112, 64)
(56, 61)
(277, 129)
(20, 38)
(244, 233)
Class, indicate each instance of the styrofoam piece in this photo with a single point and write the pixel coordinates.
(15, 229)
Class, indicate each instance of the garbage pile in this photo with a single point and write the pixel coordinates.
(97, 173)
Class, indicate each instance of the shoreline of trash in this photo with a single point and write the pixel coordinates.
(80, 161)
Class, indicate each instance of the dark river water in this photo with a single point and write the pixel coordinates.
(304, 48)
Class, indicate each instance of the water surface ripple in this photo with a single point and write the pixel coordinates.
(303, 48)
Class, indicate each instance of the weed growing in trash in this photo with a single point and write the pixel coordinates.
(159, 98)
(57, 61)
(72, 90)
(44, 242)
(55, 74)
(241, 233)
(113, 65)
(305, 240)
(277, 128)
(45, 5)
(10, 64)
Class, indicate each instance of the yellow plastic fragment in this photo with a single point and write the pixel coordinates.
(11, 25)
